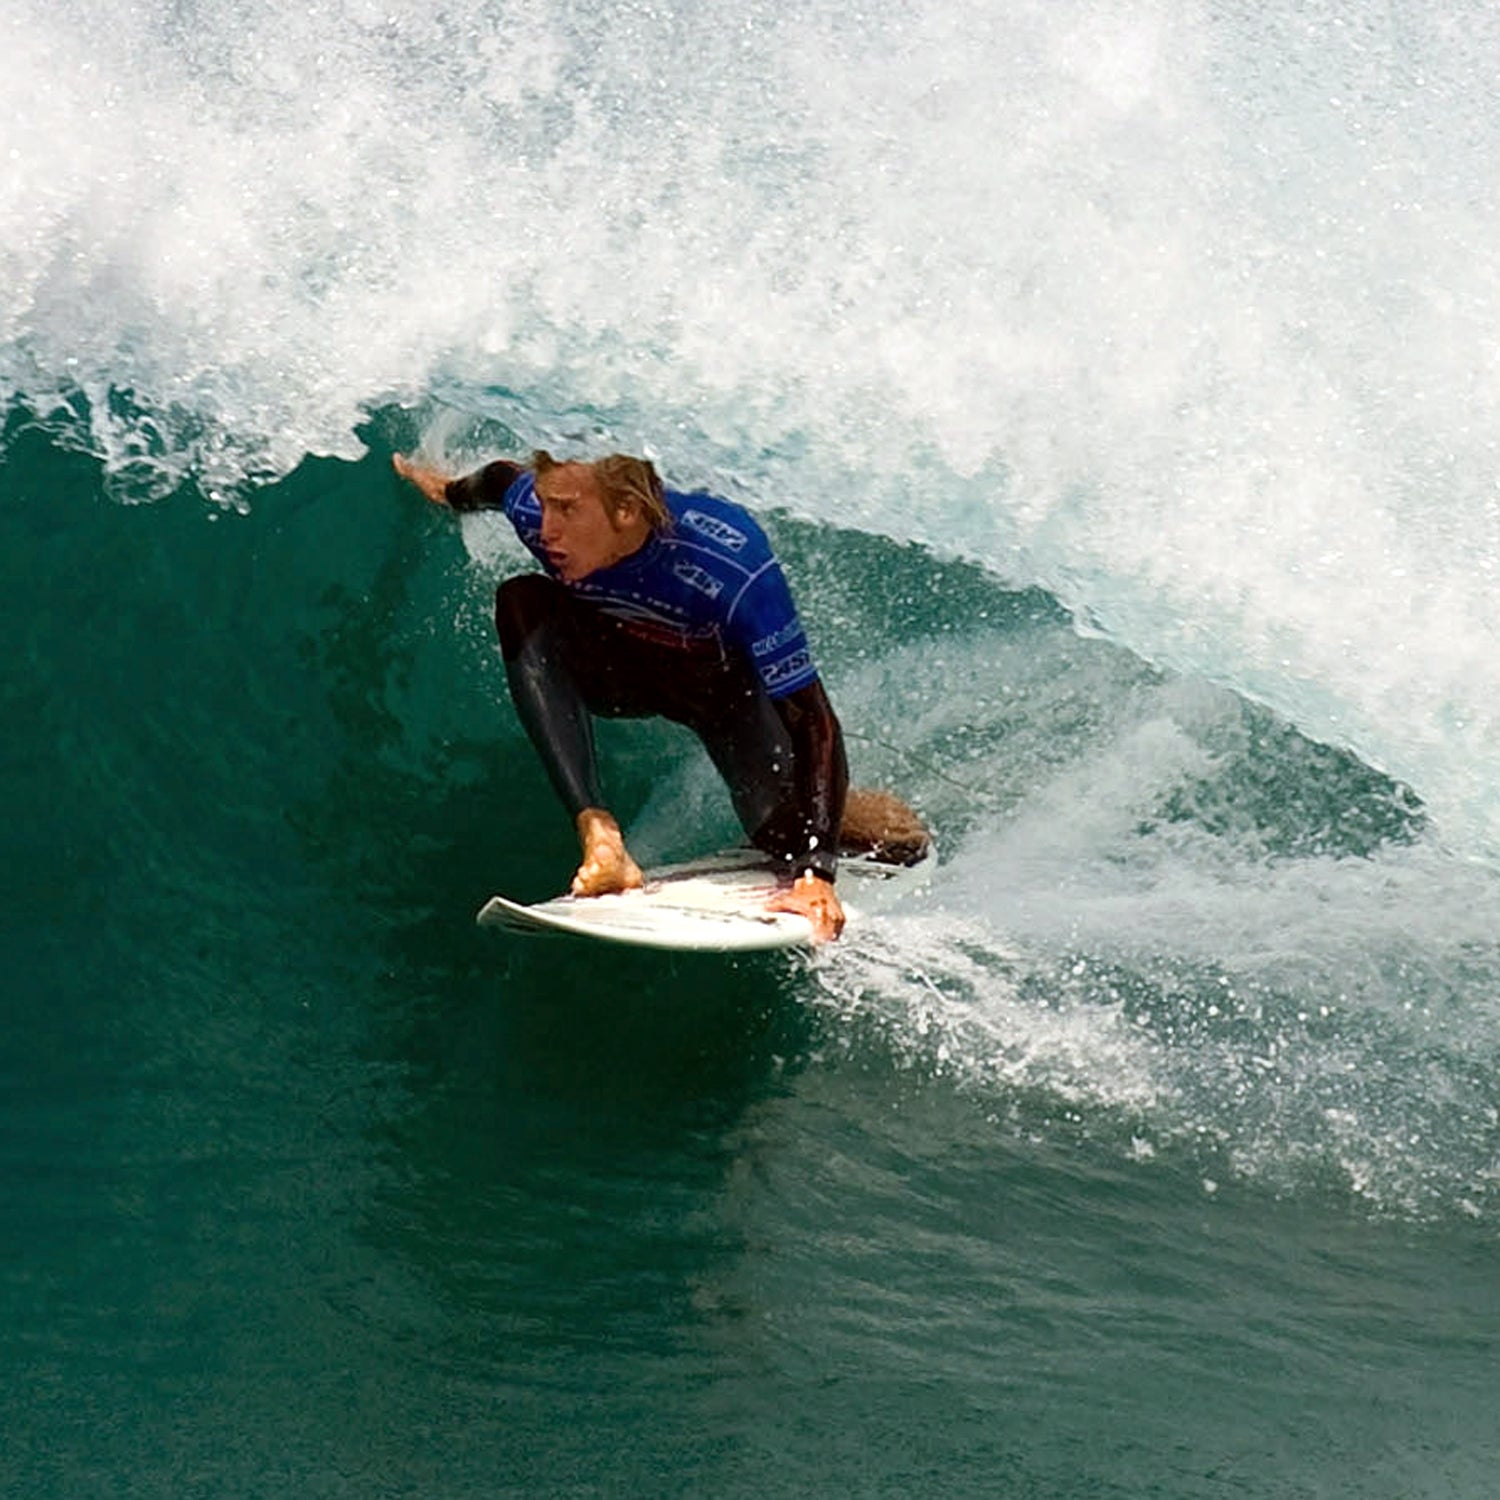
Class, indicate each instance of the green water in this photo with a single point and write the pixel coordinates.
(1152, 1153)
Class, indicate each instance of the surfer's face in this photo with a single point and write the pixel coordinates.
(579, 535)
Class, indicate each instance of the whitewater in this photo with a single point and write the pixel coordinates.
(1185, 311)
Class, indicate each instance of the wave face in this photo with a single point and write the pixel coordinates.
(1186, 312)
(271, 764)
(1181, 318)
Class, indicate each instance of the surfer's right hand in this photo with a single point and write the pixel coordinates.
(813, 897)
(431, 483)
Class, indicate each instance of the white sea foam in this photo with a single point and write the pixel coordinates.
(1157, 924)
(1190, 314)
(1313, 1026)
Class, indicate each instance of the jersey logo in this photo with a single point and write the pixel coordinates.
(781, 671)
(699, 578)
(714, 529)
(774, 642)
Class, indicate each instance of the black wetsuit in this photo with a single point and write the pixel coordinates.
(697, 626)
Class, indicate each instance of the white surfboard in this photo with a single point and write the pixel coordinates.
(710, 905)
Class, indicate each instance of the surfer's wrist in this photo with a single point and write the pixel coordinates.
(484, 489)
(823, 863)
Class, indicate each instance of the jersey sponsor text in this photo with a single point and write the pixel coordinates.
(698, 578)
(727, 536)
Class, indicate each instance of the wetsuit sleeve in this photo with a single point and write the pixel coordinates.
(763, 623)
(822, 774)
(485, 488)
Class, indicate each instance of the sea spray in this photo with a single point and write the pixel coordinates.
(1186, 314)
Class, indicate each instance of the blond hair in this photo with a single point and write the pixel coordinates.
(624, 482)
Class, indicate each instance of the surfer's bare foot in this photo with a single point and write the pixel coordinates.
(606, 865)
(879, 823)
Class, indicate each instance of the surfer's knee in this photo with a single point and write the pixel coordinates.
(522, 605)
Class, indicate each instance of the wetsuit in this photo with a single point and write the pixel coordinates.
(697, 626)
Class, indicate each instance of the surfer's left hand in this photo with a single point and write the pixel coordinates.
(812, 897)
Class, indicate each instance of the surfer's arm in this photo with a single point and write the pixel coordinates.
(484, 489)
(821, 774)
(821, 777)
(762, 623)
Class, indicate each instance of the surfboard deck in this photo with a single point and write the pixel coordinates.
(715, 904)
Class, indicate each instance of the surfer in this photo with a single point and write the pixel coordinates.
(652, 602)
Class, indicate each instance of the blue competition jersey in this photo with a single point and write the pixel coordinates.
(710, 582)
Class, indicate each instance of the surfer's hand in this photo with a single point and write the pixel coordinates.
(812, 897)
(431, 483)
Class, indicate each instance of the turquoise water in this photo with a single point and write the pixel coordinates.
(1116, 385)
(312, 1186)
